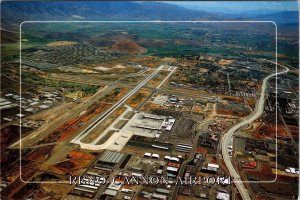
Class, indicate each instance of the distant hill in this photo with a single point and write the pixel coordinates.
(128, 47)
(14, 13)
(280, 17)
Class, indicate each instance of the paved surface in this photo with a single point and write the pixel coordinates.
(77, 139)
(228, 135)
(47, 128)
(167, 77)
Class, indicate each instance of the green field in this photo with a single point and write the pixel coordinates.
(194, 39)
(34, 79)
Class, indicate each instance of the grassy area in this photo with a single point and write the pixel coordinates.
(178, 39)
(34, 79)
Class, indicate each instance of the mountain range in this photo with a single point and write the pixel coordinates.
(13, 13)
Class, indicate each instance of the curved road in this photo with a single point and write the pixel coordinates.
(259, 107)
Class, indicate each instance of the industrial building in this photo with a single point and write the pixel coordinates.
(148, 125)
(111, 157)
(184, 148)
(210, 168)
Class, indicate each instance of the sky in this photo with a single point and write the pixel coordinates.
(239, 6)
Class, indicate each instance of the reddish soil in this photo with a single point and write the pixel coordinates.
(294, 131)
(68, 129)
(78, 161)
(201, 150)
(128, 46)
(40, 154)
(17, 184)
(264, 173)
(269, 131)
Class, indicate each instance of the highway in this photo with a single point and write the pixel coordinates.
(102, 117)
(259, 107)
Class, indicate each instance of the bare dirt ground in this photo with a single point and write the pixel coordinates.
(53, 113)
(61, 43)
(138, 98)
(57, 117)
(225, 62)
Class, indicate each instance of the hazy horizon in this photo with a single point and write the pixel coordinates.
(238, 7)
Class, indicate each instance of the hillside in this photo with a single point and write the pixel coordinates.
(129, 47)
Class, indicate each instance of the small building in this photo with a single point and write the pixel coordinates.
(291, 170)
(198, 156)
(173, 99)
(20, 115)
(136, 174)
(209, 169)
(213, 165)
(114, 186)
(7, 106)
(155, 156)
(110, 192)
(170, 124)
(29, 110)
(125, 190)
(43, 106)
(49, 95)
(167, 157)
(7, 119)
(147, 155)
(222, 196)
(162, 191)
(4, 103)
(175, 159)
(159, 196)
(183, 148)
(48, 102)
(172, 169)
(34, 103)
